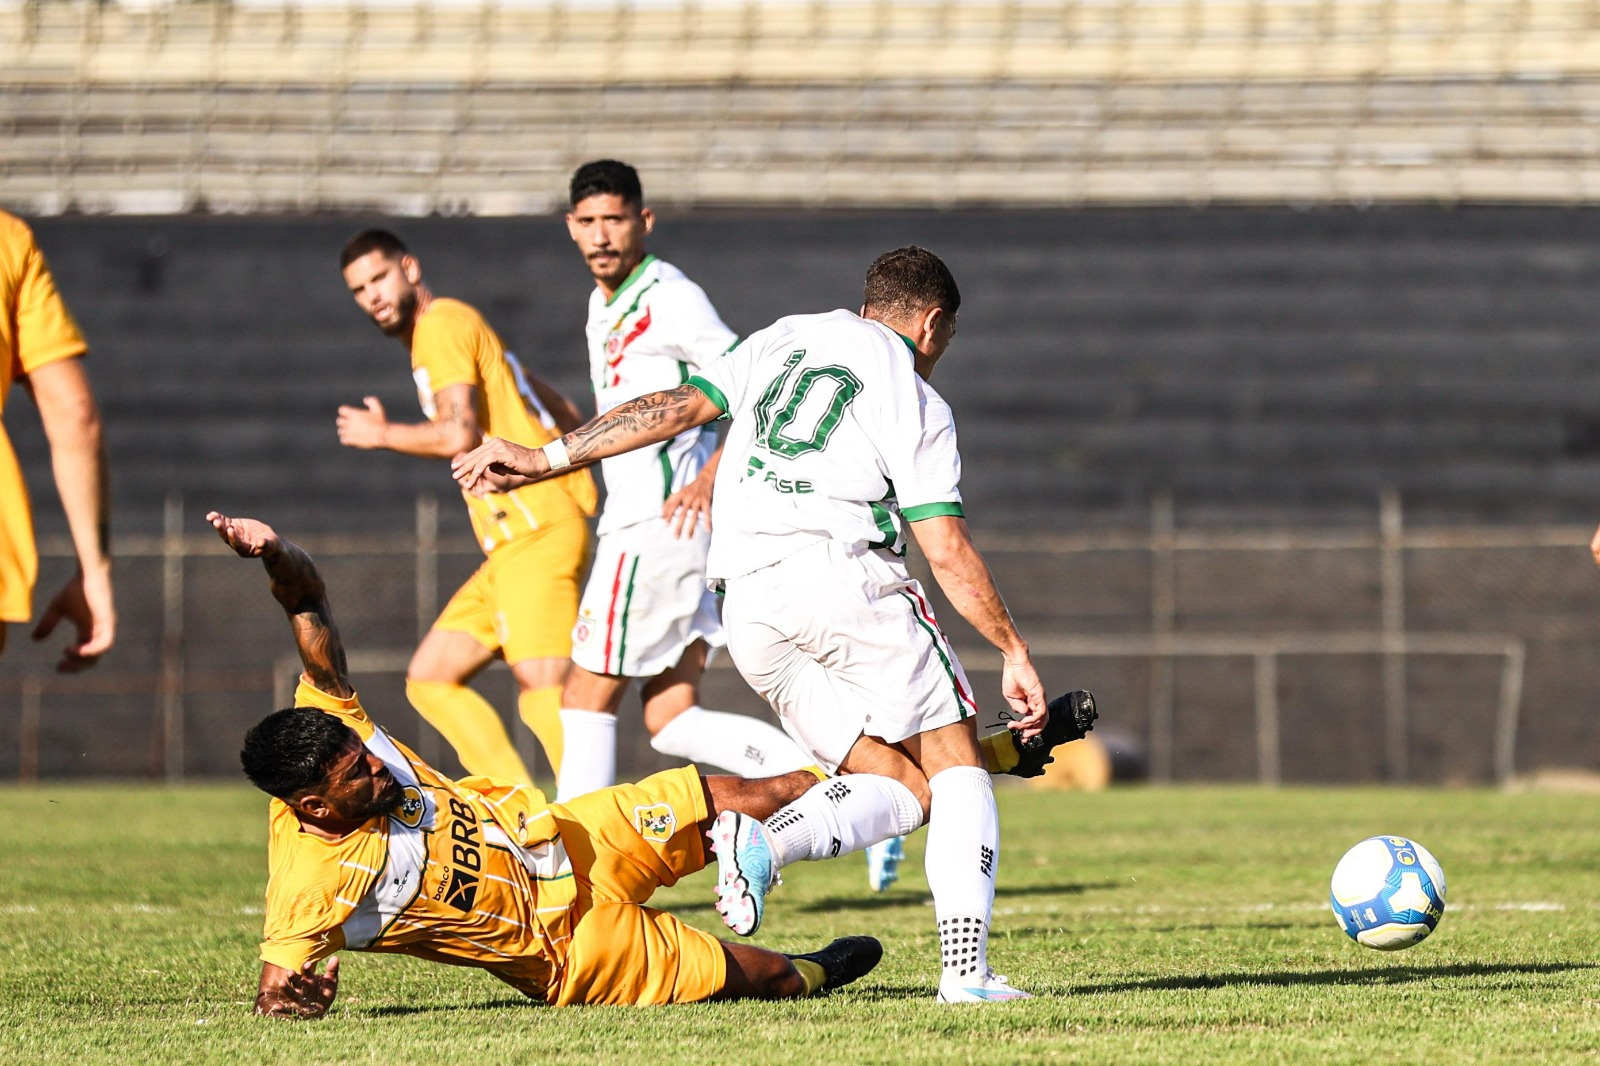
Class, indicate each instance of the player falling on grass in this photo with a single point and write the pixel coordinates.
(371, 849)
(646, 612)
(837, 444)
(42, 350)
(520, 604)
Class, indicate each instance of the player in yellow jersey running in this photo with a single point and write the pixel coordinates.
(40, 346)
(371, 849)
(521, 603)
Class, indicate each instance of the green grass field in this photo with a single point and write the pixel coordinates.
(1162, 926)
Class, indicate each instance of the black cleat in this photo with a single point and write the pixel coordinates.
(1071, 717)
(845, 960)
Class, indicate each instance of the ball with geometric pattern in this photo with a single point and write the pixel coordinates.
(1388, 893)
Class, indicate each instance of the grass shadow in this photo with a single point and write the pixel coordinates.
(399, 1010)
(905, 898)
(1286, 978)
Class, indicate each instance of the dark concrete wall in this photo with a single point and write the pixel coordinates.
(1269, 367)
(1265, 365)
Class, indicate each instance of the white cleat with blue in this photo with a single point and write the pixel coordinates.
(883, 862)
(744, 870)
(992, 989)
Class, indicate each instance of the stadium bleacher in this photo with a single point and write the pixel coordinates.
(417, 108)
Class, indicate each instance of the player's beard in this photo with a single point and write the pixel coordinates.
(405, 316)
(384, 802)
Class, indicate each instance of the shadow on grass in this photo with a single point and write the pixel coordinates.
(890, 991)
(404, 1010)
(868, 900)
(903, 897)
(1388, 976)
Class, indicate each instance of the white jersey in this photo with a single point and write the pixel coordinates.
(834, 437)
(654, 331)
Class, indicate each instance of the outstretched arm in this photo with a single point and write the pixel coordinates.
(307, 994)
(498, 465)
(298, 587)
(71, 421)
(967, 582)
(452, 430)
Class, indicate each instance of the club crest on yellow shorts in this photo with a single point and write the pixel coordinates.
(409, 812)
(656, 823)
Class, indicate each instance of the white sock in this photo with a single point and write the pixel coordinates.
(963, 854)
(842, 815)
(736, 743)
(588, 753)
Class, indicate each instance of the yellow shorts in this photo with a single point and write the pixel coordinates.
(624, 843)
(523, 600)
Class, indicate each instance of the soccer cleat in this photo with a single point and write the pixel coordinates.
(744, 870)
(1070, 718)
(992, 989)
(846, 959)
(883, 862)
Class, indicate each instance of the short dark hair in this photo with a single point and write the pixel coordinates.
(372, 240)
(908, 280)
(292, 750)
(606, 177)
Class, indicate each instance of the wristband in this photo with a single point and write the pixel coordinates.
(556, 454)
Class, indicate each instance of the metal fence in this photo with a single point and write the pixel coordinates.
(1460, 654)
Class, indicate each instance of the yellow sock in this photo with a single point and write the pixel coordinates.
(472, 727)
(999, 751)
(815, 976)
(541, 712)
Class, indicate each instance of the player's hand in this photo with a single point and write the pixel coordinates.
(86, 602)
(363, 427)
(690, 506)
(1024, 692)
(1594, 547)
(245, 536)
(306, 994)
(498, 465)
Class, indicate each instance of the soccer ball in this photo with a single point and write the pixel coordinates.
(1387, 893)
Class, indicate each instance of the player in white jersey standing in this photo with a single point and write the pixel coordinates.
(646, 612)
(837, 444)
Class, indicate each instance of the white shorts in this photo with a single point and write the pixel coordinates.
(646, 601)
(842, 645)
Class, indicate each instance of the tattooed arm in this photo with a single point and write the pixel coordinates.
(453, 429)
(298, 587)
(498, 465)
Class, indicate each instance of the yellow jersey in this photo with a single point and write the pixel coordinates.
(453, 345)
(466, 873)
(35, 329)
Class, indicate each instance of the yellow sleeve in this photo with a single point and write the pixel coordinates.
(304, 919)
(521, 810)
(347, 709)
(46, 331)
(446, 346)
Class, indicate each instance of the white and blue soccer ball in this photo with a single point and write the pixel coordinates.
(1388, 893)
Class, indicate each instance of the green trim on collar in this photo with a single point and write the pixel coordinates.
(633, 277)
(907, 339)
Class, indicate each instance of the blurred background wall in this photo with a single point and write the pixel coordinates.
(1277, 379)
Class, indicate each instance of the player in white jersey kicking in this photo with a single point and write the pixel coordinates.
(646, 612)
(837, 443)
